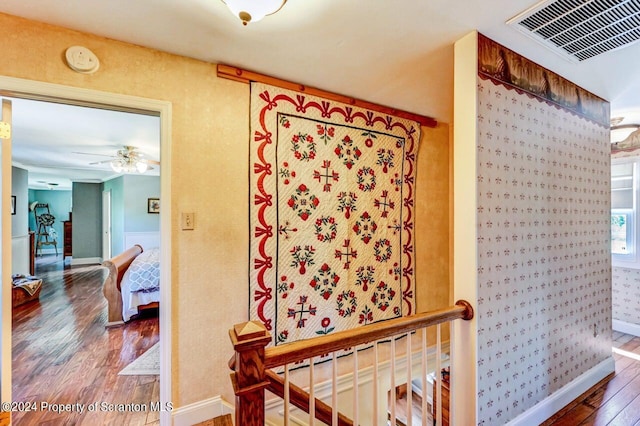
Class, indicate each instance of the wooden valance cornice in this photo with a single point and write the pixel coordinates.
(244, 76)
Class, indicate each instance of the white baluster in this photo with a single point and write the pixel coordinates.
(375, 383)
(393, 381)
(312, 398)
(356, 396)
(334, 390)
(409, 387)
(424, 376)
(286, 395)
(439, 375)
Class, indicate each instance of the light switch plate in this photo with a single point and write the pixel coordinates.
(188, 221)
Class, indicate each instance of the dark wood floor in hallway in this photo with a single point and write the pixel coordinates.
(63, 354)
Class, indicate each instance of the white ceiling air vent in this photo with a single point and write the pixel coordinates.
(581, 29)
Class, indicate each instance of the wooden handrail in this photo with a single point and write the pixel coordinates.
(251, 361)
(291, 353)
(246, 76)
(300, 398)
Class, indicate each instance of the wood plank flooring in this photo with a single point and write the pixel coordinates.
(63, 354)
(225, 420)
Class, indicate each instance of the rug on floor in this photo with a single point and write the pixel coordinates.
(146, 364)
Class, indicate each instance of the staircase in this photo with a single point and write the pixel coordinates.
(256, 369)
(401, 407)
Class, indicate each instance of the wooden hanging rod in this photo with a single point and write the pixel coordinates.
(244, 76)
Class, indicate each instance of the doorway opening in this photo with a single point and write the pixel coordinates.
(22, 89)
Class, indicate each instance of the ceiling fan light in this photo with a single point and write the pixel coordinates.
(620, 133)
(142, 166)
(116, 165)
(253, 10)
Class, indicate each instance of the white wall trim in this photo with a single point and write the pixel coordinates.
(558, 400)
(464, 349)
(86, 261)
(201, 411)
(626, 327)
(20, 254)
(32, 89)
(48, 250)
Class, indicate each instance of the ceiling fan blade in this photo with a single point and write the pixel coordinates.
(99, 162)
(94, 154)
(157, 163)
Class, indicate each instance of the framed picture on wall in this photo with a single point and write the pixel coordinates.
(153, 205)
(13, 204)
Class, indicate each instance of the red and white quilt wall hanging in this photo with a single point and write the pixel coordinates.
(332, 191)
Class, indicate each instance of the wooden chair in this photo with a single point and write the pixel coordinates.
(44, 226)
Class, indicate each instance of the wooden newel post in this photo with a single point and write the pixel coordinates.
(249, 340)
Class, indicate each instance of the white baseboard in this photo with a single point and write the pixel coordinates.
(48, 250)
(86, 261)
(626, 327)
(558, 400)
(201, 411)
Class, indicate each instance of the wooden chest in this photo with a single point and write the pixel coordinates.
(20, 296)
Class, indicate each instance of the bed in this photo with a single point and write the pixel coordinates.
(132, 283)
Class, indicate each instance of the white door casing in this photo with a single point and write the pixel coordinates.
(5, 264)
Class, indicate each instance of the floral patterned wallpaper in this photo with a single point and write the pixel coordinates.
(626, 295)
(544, 269)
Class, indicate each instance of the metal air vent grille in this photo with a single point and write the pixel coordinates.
(582, 29)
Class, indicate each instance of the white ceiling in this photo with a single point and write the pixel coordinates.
(60, 143)
(376, 50)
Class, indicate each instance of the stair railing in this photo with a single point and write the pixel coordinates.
(252, 366)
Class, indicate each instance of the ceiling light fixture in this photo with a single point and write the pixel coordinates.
(129, 165)
(253, 10)
(615, 121)
(620, 133)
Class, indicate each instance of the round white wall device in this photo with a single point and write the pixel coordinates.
(81, 59)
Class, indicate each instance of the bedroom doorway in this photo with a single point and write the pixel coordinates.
(83, 97)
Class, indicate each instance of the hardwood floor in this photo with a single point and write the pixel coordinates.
(225, 420)
(63, 354)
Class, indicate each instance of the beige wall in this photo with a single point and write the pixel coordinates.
(209, 177)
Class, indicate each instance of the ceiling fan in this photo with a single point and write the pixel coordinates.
(127, 160)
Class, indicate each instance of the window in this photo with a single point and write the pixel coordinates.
(624, 184)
